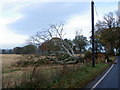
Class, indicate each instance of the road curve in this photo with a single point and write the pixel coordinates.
(112, 79)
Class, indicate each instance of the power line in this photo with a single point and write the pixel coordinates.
(96, 12)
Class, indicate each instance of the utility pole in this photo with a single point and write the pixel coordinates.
(92, 19)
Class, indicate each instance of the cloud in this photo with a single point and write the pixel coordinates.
(78, 22)
(8, 38)
(40, 15)
(9, 13)
(18, 20)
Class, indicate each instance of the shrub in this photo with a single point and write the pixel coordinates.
(88, 54)
(88, 57)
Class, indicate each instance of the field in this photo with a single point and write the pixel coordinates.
(47, 75)
(12, 74)
(8, 59)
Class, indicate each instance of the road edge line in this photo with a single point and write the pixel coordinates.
(102, 77)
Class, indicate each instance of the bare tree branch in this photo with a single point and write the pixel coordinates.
(55, 31)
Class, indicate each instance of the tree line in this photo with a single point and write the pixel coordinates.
(27, 49)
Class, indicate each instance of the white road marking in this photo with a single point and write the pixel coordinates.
(102, 77)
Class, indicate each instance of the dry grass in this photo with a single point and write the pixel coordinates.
(14, 74)
(9, 79)
(8, 59)
(9, 72)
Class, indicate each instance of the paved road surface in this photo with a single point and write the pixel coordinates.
(112, 79)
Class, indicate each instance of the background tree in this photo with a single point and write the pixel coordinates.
(29, 49)
(51, 46)
(80, 43)
(108, 32)
(3, 51)
(17, 50)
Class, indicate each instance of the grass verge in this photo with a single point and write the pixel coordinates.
(81, 77)
(6, 70)
(78, 78)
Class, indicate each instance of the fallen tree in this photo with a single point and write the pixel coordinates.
(51, 42)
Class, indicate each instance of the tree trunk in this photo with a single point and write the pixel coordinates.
(64, 68)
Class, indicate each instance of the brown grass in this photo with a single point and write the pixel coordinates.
(14, 74)
(8, 59)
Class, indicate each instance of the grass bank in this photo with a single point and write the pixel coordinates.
(7, 70)
(81, 77)
(78, 78)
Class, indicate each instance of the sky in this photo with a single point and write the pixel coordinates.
(21, 19)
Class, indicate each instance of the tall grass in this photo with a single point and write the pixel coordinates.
(78, 78)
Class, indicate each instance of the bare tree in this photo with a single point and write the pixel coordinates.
(66, 52)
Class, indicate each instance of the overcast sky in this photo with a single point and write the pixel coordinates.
(20, 20)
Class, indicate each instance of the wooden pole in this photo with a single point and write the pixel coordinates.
(92, 19)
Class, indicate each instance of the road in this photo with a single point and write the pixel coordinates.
(112, 79)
